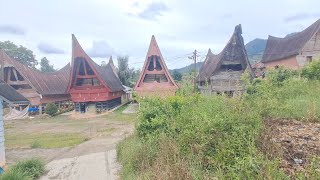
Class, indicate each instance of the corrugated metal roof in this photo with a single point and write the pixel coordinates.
(10, 94)
(54, 83)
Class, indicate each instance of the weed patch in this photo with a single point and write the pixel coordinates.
(44, 140)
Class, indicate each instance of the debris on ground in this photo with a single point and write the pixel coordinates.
(297, 142)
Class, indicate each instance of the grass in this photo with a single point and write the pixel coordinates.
(204, 137)
(24, 170)
(107, 130)
(43, 140)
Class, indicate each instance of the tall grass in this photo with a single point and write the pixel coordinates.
(25, 170)
(214, 137)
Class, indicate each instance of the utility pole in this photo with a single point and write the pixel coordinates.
(194, 58)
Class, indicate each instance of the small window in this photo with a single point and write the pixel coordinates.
(309, 59)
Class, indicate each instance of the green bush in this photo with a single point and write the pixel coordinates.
(25, 170)
(312, 71)
(51, 109)
(215, 137)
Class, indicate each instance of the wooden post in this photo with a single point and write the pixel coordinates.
(40, 109)
(2, 147)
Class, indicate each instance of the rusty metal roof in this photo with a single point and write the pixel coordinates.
(279, 48)
(54, 83)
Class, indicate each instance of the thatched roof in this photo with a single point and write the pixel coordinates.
(279, 48)
(233, 53)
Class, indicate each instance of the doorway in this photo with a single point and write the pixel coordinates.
(83, 107)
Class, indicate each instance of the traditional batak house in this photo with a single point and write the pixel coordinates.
(295, 50)
(155, 78)
(93, 88)
(221, 73)
(38, 87)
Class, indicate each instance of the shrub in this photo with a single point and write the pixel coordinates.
(14, 175)
(312, 71)
(51, 109)
(25, 170)
(35, 144)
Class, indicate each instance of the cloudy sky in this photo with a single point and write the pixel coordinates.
(124, 27)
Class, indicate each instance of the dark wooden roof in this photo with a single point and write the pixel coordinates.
(106, 74)
(10, 95)
(54, 83)
(279, 48)
(233, 53)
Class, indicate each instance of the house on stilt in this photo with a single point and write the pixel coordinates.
(93, 88)
(38, 87)
(221, 73)
(155, 78)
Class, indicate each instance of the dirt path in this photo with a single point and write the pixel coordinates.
(94, 159)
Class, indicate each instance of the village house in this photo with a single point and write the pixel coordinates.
(38, 87)
(221, 73)
(155, 78)
(293, 51)
(93, 88)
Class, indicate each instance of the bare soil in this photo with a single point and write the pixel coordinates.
(95, 158)
(295, 142)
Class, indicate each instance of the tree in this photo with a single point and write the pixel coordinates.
(177, 76)
(123, 67)
(21, 54)
(51, 109)
(45, 65)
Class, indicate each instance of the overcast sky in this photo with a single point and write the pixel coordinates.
(125, 27)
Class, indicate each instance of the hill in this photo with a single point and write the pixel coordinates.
(255, 49)
(188, 69)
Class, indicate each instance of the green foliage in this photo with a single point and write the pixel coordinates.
(177, 76)
(312, 71)
(45, 65)
(19, 53)
(128, 76)
(51, 109)
(35, 144)
(25, 170)
(191, 136)
(279, 75)
(213, 137)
